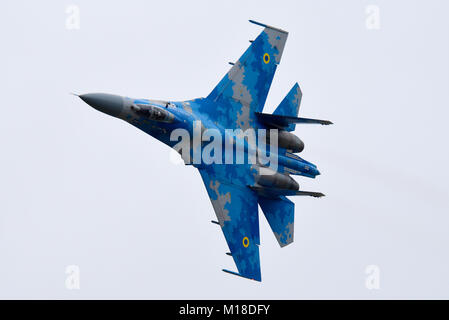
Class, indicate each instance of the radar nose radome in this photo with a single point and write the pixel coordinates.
(107, 103)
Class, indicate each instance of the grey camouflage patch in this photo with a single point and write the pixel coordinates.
(277, 40)
(220, 203)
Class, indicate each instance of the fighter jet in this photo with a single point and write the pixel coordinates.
(235, 188)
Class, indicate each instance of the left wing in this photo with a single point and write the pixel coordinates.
(244, 89)
(237, 213)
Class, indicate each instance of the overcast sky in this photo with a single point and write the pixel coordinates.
(81, 188)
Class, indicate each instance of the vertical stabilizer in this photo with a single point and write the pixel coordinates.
(290, 105)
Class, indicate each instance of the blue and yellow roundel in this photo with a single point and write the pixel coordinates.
(245, 242)
(266, 58)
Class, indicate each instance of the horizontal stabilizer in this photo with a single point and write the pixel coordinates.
(274, 193)
(283, 122)
(280, 214)
(314, 121)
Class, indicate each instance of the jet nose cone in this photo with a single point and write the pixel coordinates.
(108, 103)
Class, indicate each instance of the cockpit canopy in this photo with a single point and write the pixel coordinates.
(153, 112)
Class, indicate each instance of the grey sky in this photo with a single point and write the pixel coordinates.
(81, 188)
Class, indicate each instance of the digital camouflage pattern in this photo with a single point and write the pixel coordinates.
(235, 190)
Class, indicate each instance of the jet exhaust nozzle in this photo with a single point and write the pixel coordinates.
(270, 178)
(288, 141)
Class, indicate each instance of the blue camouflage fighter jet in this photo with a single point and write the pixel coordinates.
(235, 189)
